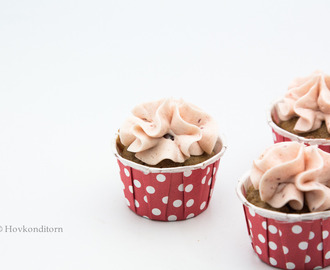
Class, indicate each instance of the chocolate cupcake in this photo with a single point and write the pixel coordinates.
(304, 113)
(286, 199)
(168, 152)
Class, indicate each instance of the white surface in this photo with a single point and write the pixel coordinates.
(71, 71)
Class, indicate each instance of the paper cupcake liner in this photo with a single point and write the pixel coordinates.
(281, 135)
(169, 194)
(287, 241)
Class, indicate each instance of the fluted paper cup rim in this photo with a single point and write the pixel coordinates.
(289, 218)
(289, 135)
(221, 142)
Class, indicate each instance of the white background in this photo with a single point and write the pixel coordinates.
(70, 73)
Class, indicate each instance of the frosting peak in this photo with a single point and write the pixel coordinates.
(293, 173)
(168, 129)
(309, 99)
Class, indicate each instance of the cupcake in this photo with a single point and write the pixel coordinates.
(286, 201)
(303, 114)
(168, 152)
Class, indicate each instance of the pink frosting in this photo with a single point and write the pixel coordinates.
(309, 99)
(293, 173)
(168, 129)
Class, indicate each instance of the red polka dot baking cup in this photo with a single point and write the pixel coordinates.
(287, 241)
(281, 135)
(169, 194)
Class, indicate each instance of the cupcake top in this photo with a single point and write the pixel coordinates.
(308, 98)
(295, 174)
(168, 129)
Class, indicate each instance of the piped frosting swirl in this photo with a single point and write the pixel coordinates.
(293, 173)
(308, 99)
(168, 129)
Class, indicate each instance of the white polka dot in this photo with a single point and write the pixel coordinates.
(317, 267)
(327, 255)
(177, 203)
(187, 173)
(280, 233)
(290, 265)
(250, 224)
(190, 203)
(325, 234)
(210, 181)
(180, 187)
(161, 177)
(311, 235)
(264, 224)
(190, 216)
(272, 245)
(214, 170)
(285, 250)
(156, 211)
(189, 188)
(126, 172)
(172, 218)
(165, 199)
(272, 229)
(145, 217)
(272, 261)
(203, 180)
(258, 250)
(145, 198)
(123, 185)
(137, 203)
(211, 192)
(261, 238)
(303, 245)
(150, 189)
(296, 229)
(202, 205)
(274, 137)
(137, 183)
(127, 201)
(307, 259)
(208, 170)
(252, 213)
(130, 189)
(320, 246)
